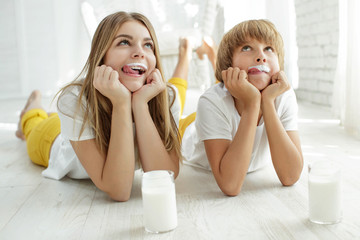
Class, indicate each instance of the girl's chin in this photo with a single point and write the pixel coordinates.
(133, 86)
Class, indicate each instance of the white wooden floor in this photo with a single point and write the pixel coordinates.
(33, 207)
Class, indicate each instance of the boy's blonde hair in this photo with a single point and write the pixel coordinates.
(261, 30)
(98, 108)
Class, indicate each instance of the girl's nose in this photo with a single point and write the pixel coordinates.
(138, 52)
(261, 60)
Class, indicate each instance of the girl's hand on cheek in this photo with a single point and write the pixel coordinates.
(279, 84)
(236, 82)
(152, 87)
(106, 81)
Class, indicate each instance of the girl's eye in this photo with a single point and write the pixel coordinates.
(245, 48)
(123, 42)
(269, 49)
(149, 45)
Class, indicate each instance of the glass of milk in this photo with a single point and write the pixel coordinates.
(324, 192)
(159, 201)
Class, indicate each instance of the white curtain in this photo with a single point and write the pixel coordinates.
(346, 100)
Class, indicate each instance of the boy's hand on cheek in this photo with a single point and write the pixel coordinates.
(106, 81)
(152, 87)
(279, 84)
(236, 82)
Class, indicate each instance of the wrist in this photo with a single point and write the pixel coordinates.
(139, 106)
(267, 102)
(120, 100)
(121, 105)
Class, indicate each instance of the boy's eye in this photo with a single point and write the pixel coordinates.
(245, 48)
(269, 49)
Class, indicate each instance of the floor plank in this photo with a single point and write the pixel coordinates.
(33, 207)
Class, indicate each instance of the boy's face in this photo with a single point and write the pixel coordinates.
(259, 60)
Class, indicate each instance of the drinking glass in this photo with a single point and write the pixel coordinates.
(159, 201)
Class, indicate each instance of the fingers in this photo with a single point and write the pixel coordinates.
(154, 85)
(281, 79)
(156, 79)
(233, 76)
(105, 76)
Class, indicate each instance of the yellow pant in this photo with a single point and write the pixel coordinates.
(181, 86)
(40, 131)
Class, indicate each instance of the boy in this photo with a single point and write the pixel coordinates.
(250, 117)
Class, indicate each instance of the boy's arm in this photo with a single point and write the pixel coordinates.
(229, 160)
(285, 146)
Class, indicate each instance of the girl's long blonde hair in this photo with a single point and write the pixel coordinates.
(98, 108)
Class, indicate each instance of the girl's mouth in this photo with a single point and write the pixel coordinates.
(137, 69)
(258, 69)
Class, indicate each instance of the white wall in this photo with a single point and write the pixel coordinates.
(9, 65)
(73, 41)
(236, 11)
(44, 44)
(317, 38)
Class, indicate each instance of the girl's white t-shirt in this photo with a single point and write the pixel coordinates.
(63, 160)
(217, 118)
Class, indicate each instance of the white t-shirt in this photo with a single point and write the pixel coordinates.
(63, 160)
(217, 118)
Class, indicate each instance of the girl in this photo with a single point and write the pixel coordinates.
(121, 88)
(250, 117)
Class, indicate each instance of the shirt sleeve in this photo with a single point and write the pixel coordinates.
(212, 120)
(288, 110)
(72, 117)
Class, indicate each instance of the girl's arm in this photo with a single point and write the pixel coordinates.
(112, 173)
(153, 154)
(285, 146)
(229, 160)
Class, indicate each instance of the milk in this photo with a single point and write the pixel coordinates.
(159, 201)
(324, 193)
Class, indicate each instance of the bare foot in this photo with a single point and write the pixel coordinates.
(34, 101)
(19, 132)
(209, 48)
(185, 49)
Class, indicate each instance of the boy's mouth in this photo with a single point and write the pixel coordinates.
(134, 68)
(258, 68)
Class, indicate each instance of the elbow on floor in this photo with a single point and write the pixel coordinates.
(231, 191)
(289, 181)
(119, 197)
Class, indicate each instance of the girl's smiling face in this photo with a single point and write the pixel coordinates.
(259, 60)
(131, 54)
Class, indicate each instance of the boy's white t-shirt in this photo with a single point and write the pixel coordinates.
(63, 160)
(217, 118)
